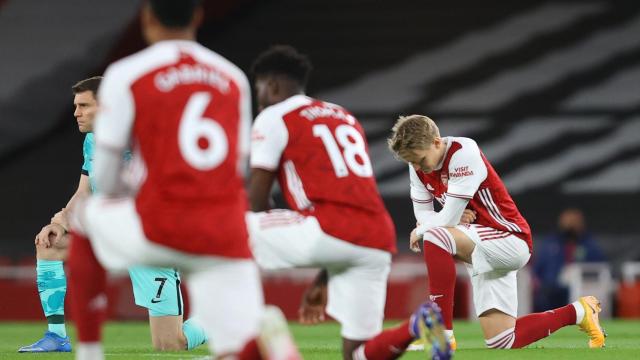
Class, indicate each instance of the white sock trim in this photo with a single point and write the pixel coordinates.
(358, 353)
(449, 334)
(442, 238)
(504, 340)
(579, 311)
(89, 351)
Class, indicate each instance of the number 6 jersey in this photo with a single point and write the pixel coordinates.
(321, 158)
(185, 112)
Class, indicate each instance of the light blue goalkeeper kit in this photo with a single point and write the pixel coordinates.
(157, 289)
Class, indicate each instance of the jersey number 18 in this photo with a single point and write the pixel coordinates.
(353, 148)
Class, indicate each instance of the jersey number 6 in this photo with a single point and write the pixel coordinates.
(195, 129)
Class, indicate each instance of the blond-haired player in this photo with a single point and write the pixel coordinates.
(454, 172)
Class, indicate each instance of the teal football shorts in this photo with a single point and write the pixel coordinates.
(157, 289)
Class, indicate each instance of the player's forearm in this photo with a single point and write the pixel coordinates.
(258, 198)
(423, 212)
(259, 203)
(422, 200)
(448, 216)
(260, 184)
(74, 199)
(61, 217)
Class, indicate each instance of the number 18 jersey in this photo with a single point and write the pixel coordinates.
(320, 155)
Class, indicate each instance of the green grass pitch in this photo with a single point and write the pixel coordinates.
(130, 340)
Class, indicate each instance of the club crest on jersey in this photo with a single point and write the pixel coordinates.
(444, 177)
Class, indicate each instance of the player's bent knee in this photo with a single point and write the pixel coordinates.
(50, 253)
(169, 343)
(442, 238)
(503, 340)
(498, 328)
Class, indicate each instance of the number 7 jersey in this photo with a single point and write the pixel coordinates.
(320, 155)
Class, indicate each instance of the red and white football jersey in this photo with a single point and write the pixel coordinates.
(186, 113)
(320, 153)
(466, 173)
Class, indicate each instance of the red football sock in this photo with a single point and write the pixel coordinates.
(389, 344)
(87, 285)
(442, 279)
(250, 351)
(533, 327)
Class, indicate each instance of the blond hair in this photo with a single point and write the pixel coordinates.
(413, 132)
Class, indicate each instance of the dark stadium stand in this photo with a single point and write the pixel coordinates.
(550, 90)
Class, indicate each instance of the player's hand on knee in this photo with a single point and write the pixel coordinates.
(50, 234)
(314, 301)
(468, 216)
(42, 238)
(58, 232)
(414, 241)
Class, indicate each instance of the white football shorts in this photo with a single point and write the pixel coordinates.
(496, 259)
(226, 295)
(283, 239)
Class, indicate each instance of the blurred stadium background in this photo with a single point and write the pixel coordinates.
(549, 89)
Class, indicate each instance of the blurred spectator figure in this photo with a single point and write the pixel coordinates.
(570, 243)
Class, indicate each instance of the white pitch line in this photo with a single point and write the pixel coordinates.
(162, 355)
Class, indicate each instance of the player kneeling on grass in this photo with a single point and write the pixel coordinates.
(185, 111)
(157, 289)
(454, 172)
(337, 220)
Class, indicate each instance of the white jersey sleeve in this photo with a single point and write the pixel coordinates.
(115, 117)
(112, 132)
(467, 170)
(423, 207)
(269, 138)
(421, 198)
(449, 215)
(244, 133)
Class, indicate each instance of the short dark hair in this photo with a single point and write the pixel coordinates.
(91, 84)
(283, 60)
(174, 13)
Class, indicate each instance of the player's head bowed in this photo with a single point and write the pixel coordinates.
(411, 133)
